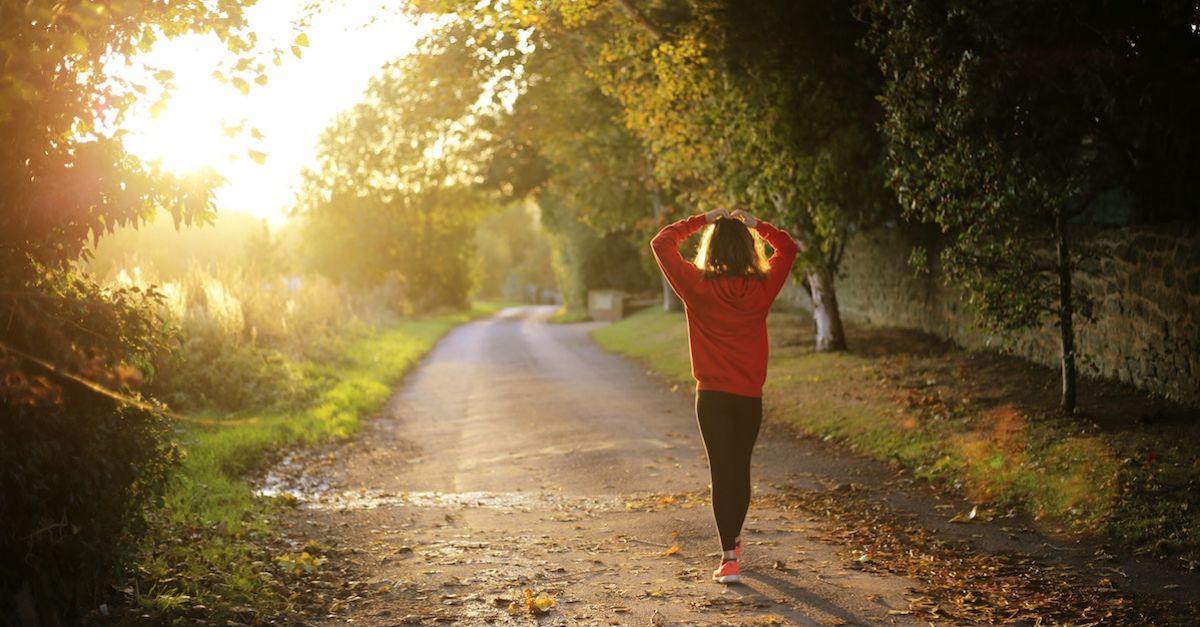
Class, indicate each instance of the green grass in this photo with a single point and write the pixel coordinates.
(570, 316)
(657, 338)
(1075, 479)
(210, 484)
(208, 544)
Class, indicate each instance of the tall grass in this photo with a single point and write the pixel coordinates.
(244, 336)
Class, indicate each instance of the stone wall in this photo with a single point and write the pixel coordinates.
(1145, 284)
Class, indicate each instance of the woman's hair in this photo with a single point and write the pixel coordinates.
(728, 249)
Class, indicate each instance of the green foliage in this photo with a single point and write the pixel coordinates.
(512, 254)
(76, 469)
(764, 105)
(1003, 119)
(585, 260)
(65, 172)
(767, 105)
(1007, 122)
(985, 150)
(393, 195)
(239, 333)
(75, 481)
(559, 143)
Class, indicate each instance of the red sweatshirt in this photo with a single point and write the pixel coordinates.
(726, 316)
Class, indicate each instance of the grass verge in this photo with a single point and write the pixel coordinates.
(569, 316)
(983, 424)
(211, 554)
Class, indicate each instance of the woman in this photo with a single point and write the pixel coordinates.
(727, 293)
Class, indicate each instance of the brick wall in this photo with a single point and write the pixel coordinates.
(1145, 284)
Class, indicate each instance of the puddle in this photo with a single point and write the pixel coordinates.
(290, 477)
(521, 501)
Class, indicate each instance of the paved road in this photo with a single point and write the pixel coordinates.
(519, 455)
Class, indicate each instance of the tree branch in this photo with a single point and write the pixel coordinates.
(638, 16)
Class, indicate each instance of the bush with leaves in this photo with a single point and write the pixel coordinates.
(244, 335)
(76, 466)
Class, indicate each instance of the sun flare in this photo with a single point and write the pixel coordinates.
(261, 139)
(192, 130)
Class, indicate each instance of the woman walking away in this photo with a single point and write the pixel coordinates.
(727, 293)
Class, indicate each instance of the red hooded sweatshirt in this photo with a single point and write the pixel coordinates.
(726, 316)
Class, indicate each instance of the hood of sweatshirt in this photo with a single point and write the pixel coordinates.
(744, 295)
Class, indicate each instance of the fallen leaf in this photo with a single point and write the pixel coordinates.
(671, 551)
(533, 604)
(973, 516)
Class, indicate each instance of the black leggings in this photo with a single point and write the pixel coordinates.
(729, 425)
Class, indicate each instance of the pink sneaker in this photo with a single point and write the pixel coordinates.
(727, 573)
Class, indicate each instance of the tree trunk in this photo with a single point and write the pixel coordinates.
(830, 334)
(1066, 311)
(671, 300)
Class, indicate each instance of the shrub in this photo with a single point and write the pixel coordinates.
(77, 468)
(242, 335)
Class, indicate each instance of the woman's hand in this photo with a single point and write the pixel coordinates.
(716, 214)
(750, 220)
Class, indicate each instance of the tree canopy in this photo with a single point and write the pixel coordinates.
(1007, 123)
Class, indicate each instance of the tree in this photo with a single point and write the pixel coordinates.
(767, 105)
(596, 193)
(513, 255)
(555, 139)
(1007, 121)
(394, 194)
(816, 153)
(80, 456)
